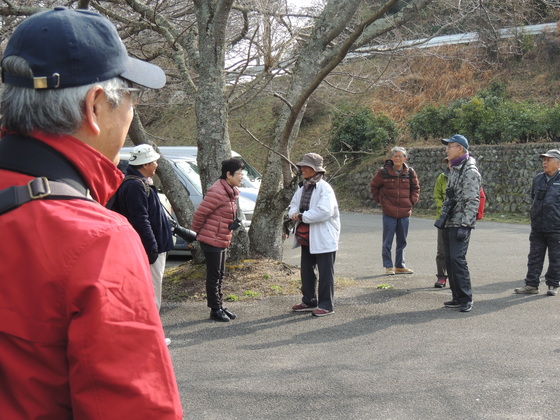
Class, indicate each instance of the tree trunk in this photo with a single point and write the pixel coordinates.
(211, 103)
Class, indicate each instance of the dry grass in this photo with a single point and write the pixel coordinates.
(248, 279)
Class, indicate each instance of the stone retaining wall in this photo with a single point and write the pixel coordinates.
(507, 172)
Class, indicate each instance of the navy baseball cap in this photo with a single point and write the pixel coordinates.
(457, 138)
(68, 48)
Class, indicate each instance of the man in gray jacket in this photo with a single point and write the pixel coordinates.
(545, 227)
(463, 187)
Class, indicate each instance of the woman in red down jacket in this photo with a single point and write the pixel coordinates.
(395, 186)
(214, 221)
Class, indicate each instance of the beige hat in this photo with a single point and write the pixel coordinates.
(314, 161)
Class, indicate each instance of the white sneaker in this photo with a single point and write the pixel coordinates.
(167, 341)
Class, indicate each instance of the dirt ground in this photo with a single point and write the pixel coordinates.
(249, 279)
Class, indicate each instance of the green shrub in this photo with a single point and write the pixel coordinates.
(488, 118)
(552, 122)
(361, 130)
(434, 121)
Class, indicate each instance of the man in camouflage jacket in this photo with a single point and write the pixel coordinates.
(464, 187)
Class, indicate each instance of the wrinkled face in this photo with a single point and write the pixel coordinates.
(550, 165)
(454, 150)
(308, 172)
(398, 159)
(114, 123)
(236, 179)
(149, 169)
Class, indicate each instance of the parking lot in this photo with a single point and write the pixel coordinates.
(385, 353)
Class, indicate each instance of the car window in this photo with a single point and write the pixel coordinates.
(249, 171)
(190, 170)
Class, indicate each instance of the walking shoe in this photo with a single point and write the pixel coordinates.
(219, 315)
(527, 290)
(389, 271)
(552, 291)
(321, 312)
(303, 307)
(451, 304)
(441, 281)
(466, 307)
(403, 270)
(229, 314)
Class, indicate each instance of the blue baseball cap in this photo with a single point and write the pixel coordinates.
(68, 48)
(457, 138)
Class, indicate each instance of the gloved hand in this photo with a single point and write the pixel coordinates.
(187, 234)
(463, 233)
(152, 256)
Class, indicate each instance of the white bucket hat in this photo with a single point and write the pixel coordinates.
(141, 154)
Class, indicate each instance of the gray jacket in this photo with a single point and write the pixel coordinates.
(466, 185)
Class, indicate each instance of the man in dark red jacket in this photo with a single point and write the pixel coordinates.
(80, 335)
(395, 186)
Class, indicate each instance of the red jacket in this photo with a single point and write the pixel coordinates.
(397, 193)
(80, 334)
(213, 216)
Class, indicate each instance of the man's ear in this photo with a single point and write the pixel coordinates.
(91, 108)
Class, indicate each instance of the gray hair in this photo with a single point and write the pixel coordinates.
(52, 111)
(399, 149)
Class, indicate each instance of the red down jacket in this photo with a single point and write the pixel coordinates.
(213, 216)
(80, 334)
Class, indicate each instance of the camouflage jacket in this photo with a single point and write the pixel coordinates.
(466, 185)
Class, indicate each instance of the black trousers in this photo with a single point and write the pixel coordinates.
(215, 268)
(325, 266)
(456, 263)
(540, 243)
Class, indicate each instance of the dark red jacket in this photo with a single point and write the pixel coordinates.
(397, 193)
(80, 334)
(213, 216)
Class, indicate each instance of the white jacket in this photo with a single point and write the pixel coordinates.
(323, 218)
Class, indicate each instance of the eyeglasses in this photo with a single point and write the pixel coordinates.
(449, 146)
(135, 94)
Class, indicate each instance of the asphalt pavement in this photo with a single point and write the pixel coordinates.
(385, 353)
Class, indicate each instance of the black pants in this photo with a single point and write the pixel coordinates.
(325, 266)
(215, 268)
(540, 243)
(456, 263)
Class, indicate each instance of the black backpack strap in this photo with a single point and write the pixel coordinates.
(36, 189)
(385, 173)
(57, 178)
(147, 187)
(30, 156)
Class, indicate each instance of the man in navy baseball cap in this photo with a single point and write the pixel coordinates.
(82, 337)
(68, 48)
(457, 138)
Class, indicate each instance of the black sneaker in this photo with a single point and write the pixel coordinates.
(452, 304)
(229, 314)
(466, 307)
(219, 315)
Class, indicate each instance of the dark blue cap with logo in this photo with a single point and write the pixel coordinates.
(69, 48)
(457, 138)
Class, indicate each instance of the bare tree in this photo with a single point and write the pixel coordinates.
(262, 40)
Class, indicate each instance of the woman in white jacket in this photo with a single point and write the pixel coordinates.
(314, 203)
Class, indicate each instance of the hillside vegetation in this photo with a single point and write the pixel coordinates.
(397, 86)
